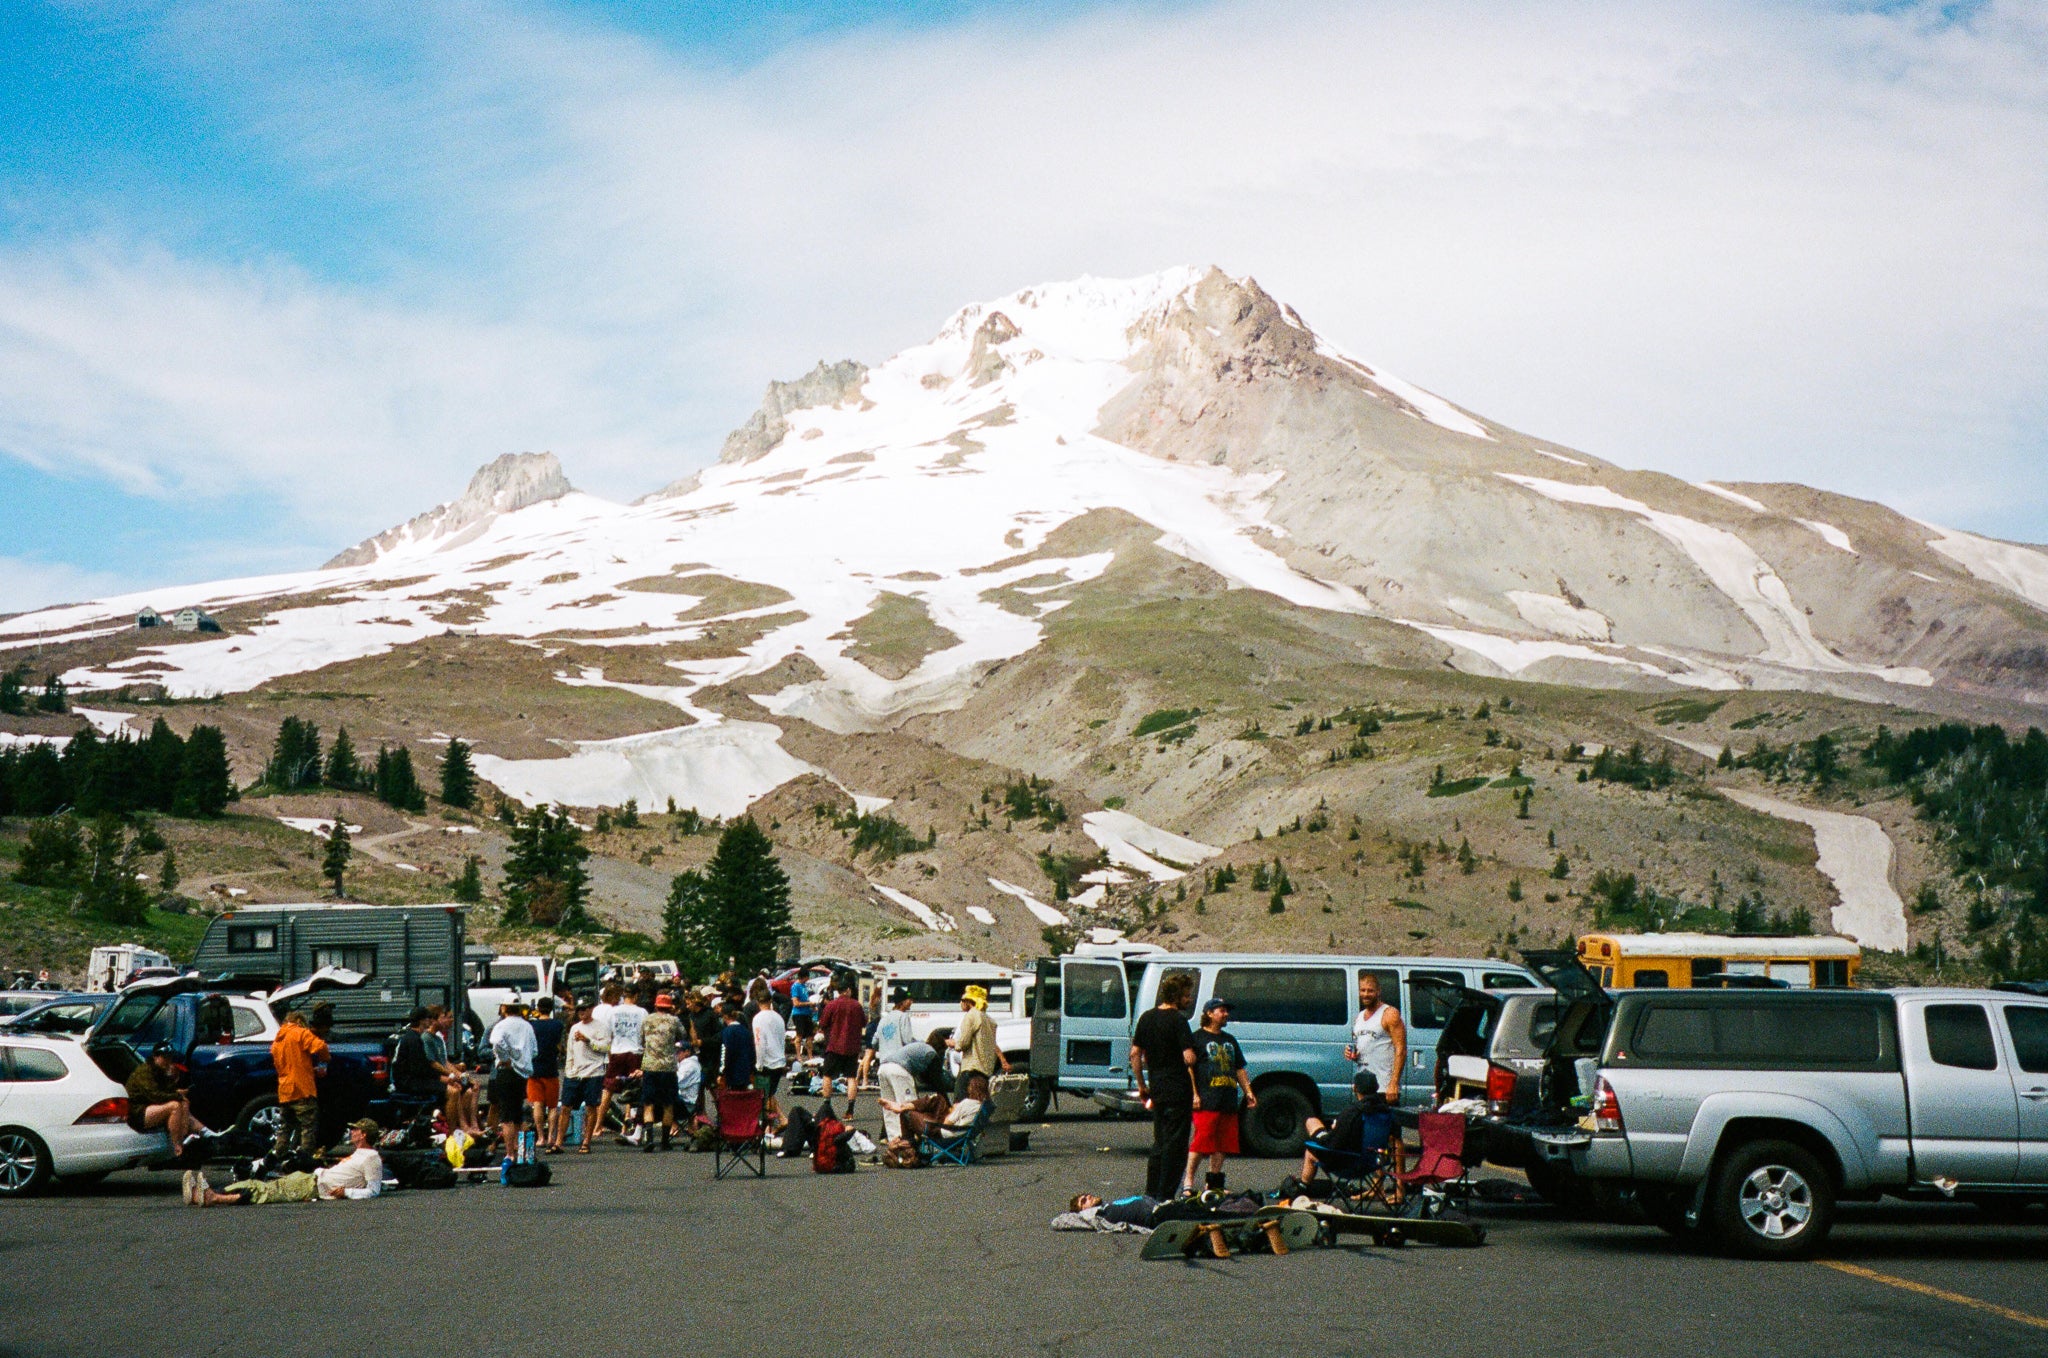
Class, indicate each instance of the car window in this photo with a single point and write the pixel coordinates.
(506, 976)
(1094, 990)
(1543, 1024)
(2029, 1029)
(1506, 980)
(1960, 1035)
(247, 1024)
(1300, 995)
(29, 1064)
(1652, 978)
(1432, 998)
(1799, 1035)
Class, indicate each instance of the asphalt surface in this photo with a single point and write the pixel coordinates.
(646, 1254)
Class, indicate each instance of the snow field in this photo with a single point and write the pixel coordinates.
(1040, 911)
(1135, 844)
(1856, 855)
(2020, 570)
(936, 921)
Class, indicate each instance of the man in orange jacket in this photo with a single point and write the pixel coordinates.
(301, 1058)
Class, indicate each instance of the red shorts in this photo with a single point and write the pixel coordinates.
(1213, 1132)
(618, 1068)
(546, 1093)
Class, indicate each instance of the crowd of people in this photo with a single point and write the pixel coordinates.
(643, 1061)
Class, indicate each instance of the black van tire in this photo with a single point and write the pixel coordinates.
(1037, 1101)
(1277, 1127)
(1767, 1184)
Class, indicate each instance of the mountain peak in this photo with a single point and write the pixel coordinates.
(507, 482)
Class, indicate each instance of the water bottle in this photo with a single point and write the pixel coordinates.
(576, 1126)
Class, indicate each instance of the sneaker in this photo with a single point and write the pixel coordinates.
(193, 1190)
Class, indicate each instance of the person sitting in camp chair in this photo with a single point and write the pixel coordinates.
(1360, 1148)
(929, 1119)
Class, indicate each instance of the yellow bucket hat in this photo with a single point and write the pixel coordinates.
(979, 994)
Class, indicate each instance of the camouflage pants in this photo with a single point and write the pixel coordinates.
(286, 1188)
(298, 1126)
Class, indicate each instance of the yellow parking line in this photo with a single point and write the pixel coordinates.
(1940, 1294)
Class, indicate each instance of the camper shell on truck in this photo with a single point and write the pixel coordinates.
(1291, 1013)
(411, 955)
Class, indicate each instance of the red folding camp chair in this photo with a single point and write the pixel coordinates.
(742, 1140)
(1440, 1170)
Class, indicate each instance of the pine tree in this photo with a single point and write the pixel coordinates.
(469, 887)
(396, 784)
(344, 770)
(458, 778)
(14, 691)
(334, 863)
(689, 931)
(545, 881)
(1562, 869)
(748, 895)
(163, 753)
(204, 785)
(51, 699)
(53, 853)
(112, 885)
(294, 756)
(168, 877)
(1468, 861)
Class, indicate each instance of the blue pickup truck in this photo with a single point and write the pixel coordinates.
(223, 1040)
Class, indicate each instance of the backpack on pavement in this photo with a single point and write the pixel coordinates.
(832, 1155)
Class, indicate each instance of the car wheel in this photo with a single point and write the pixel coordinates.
(1038, 1101)
(24, 1163)
(1772, 1200)
(260, 1119)
(1277, 1127)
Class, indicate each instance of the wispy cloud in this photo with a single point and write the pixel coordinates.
(1737, 240)
(27, 583)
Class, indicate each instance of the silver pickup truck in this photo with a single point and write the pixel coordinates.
(1751, 1113)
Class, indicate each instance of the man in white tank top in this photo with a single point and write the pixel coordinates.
(1379, 1040)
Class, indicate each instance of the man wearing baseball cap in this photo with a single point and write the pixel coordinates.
(1220, 1082)
(975, 1040)
(361, 1175)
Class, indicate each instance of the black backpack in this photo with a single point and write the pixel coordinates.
(420, 1168)
(530, 1174)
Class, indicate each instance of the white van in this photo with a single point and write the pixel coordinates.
(935, 989)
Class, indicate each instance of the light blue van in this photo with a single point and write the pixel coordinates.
(1292, 1014)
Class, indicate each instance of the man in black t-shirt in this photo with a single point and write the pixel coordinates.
(1221, 1084)
(1162, 1063)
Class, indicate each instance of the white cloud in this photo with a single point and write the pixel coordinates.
(1731, 240)
(26, 583)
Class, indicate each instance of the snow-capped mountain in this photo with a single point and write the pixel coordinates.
(874, 541)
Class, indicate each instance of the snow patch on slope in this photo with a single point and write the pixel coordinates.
(1833, 536)
(1136, 844)
(936, 921)
(719, 769)
(1040, 911)
(1432, 407)
(2019, 570)
(1560, 617)
(1856, 855)
(1733, 496)
(1734, 568)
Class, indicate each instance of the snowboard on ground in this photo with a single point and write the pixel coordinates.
(1392, 1231)
(1267, 1233)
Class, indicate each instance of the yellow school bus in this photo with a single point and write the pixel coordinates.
(1680, 961)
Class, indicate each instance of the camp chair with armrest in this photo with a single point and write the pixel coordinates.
(742, 1138)
(1362, 1171)
(1440, 1170)
(959, 1148)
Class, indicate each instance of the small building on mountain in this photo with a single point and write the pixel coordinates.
(149, 617)
(193, 620)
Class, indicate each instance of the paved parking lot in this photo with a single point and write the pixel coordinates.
(635, 1253)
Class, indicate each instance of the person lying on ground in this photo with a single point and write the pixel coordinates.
(361, 1175)
(156, 1099)
(1138, 1210)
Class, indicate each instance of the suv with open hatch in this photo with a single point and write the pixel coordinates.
(1749, 1114)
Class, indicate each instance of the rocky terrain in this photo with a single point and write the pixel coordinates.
(1112, 586)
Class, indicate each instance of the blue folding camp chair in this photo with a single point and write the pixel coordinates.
(1361, 1172)
(961, 1147)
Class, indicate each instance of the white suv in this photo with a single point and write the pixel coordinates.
(62, 1117)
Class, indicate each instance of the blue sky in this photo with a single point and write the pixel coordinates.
(272, 278)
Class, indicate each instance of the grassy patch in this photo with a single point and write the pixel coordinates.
(1514, 780)
(1460, 787)
(1751, 723)
(1686, 711)
(1164, 720)
(1403, 903)
(896, 635)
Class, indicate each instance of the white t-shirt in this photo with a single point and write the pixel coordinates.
(626, 1022)
(771, 1040)
(601, 1015)
(362, 1174)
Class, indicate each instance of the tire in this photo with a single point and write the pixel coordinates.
(24, 1163)
(1276, 1128)
(1771, 1200)
(1037, 1101)
(260, 1118)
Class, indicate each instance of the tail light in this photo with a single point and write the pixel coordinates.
(1606, 1108)
(1500, 1088)
(106, 1110)
(380, 1070)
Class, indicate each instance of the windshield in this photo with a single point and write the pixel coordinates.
(512, 975)
(143, 1018)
